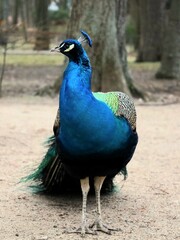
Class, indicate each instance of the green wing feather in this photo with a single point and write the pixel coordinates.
(121, 105)
(110, 98)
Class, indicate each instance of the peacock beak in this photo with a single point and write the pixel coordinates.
(56, 49)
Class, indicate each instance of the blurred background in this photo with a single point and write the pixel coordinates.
(137, 41)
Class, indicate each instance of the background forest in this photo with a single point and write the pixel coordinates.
(129, 39)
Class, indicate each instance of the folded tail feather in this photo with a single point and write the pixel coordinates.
(51, 177)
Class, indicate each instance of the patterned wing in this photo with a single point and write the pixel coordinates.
(121, 105)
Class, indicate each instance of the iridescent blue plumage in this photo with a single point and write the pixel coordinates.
(89, 130)
(86, 38)
(95, 133)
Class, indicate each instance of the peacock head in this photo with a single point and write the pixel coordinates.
(72, 48)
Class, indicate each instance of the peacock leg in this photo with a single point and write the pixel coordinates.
(83, 229)
(98, 225)
(85, 189)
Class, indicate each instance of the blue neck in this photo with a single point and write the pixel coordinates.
(78, 73)
(75, 86)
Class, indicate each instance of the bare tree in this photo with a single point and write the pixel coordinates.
(121, 11)
(24, 9)
(3, 65)
(23, 18)
(15, 12)
(42, 24)
(3, 38)
(170, 64)
(29, 12)
(149, 16)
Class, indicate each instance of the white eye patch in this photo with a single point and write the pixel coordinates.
(69, 48)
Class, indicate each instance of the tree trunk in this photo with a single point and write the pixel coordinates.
(42, 34)
(28, 12)
(1, 12)
(15, 12)
(3, 68)
(133, 6)
(170, 64)
(150, 41)
(99, 19)
(22, 5)
(121, 10)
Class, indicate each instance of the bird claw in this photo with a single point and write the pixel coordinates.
(98, 225)
(82, 230)
(92, 229)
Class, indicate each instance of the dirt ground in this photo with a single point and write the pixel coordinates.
(146, 206)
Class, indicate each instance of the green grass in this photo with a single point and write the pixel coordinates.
(30, 60)
(52, 59)
(151, 66)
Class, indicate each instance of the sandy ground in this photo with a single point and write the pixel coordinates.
(146, 207)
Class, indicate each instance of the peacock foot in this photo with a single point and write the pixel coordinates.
(83, 230)
(98, 225)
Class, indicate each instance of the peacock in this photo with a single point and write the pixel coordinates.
(94, 135)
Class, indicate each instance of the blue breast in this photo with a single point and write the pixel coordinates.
(88, 125)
